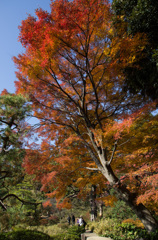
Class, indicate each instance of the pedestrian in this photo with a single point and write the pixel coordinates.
(69, 220)
(73, 219)
(82, 222)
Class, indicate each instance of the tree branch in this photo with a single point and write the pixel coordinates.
(92, 169)
(3, 206)
(21, 200)
(113, 152)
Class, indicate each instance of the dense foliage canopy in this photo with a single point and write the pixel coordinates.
(13, 111)
(141, 16)
(72, 70)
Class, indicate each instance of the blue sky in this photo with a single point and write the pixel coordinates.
(12, 12)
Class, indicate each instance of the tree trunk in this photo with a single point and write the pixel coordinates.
(93, 212)
(140, 210)
(104, 166)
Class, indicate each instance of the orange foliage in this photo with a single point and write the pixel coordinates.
(136, 222)
(64, 204)
(4, 92)
(72, 69)
(109, 200)
(47, 203)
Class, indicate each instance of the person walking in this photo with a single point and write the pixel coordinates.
(73, 219)
(69, 220)
(82, 222)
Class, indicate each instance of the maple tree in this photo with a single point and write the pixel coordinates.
(72, 72)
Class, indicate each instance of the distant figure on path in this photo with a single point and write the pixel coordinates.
(69, 220)
(82, 222)
(73, 219)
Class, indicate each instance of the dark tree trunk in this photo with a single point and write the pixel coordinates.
(93, 205)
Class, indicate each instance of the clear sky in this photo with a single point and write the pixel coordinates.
(12, 12)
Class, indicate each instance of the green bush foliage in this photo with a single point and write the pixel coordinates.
(24, 235)
(50, 230)
(10, 218)
(73, 233)
(3, 236)
(121, 231)
(120, 211)
(66, 237)
(76, 230)
(127, 231)
(105, 226)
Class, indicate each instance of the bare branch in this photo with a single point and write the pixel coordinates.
(113, 152)
(3, 206)
(92, 169)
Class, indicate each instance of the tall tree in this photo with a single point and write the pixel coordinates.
(141, 16)
(13, 111)
(72, 71)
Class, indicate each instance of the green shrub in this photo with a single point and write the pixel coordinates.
(73, 233)
(105, 226)
(50, 230)
(69, 237)
(63, 225)
(11, 217)
(3, 236)
(127, 231)
(25, 235)
(66, 236)
(72, 237)
(120, 211)
(58, 236)
(76, 230)
(121, 231)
